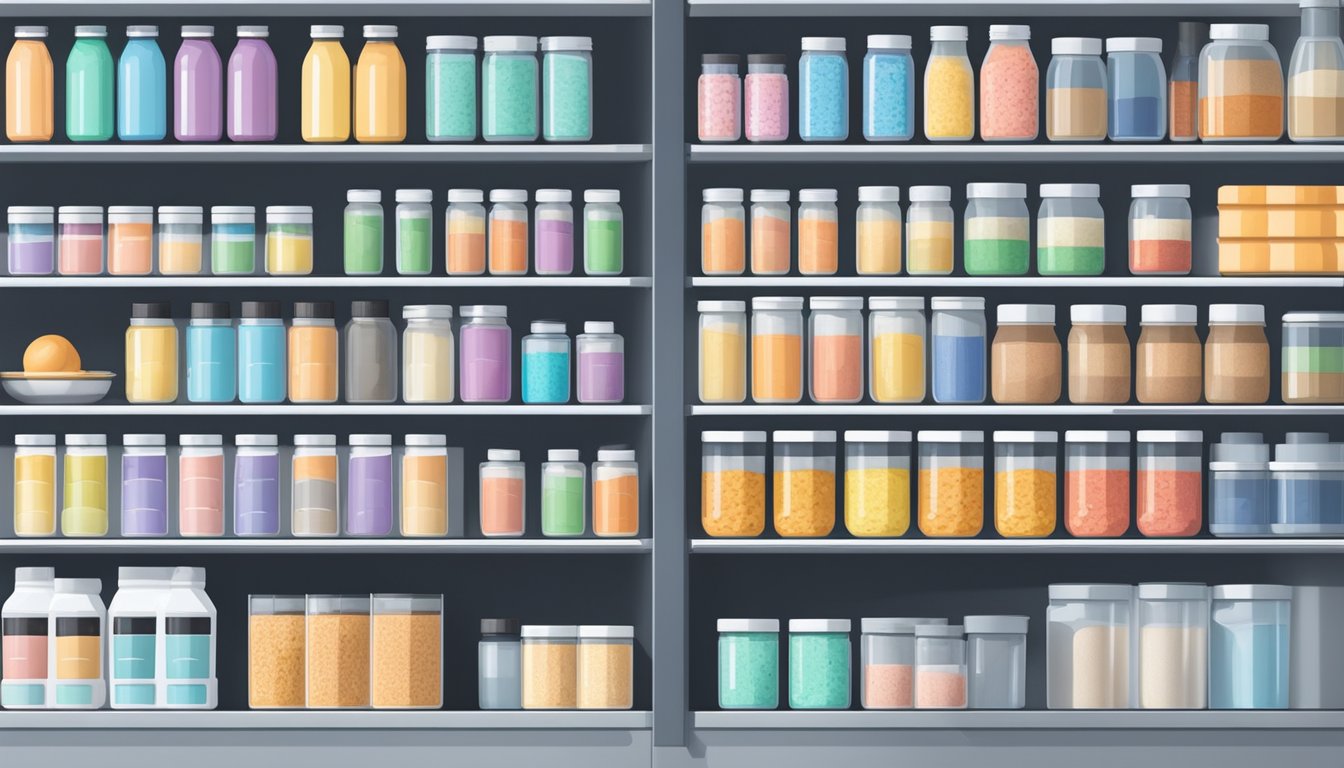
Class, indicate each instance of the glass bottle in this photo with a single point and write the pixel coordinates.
(1316, 75)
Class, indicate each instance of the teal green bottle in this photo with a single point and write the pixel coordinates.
(89, 73)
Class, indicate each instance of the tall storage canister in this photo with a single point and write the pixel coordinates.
(732, 483)
(190, 622)
(338, 649)
(804, 482)
(1240, 85)
(34, 485)
(1138, 83)
(500, 665)
(1241, 500)
(996, 650)
(1316, 75)
(276, 652)
(888, 89)
(315, 492)
(407, 652)
(450, 88)
(1250, 646)
(1183, 98)
(1173, 625)
(1088, 646)
(567, 88)
(723, 351)
(949, 87)
(1170, 486)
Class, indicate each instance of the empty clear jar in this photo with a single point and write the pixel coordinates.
(877, 237)
(1096, 482)
(940, 667)
(1099, 354)
(180, 249)
(959, 349)
(567, 88)
(766, 97)
(818, 232)
(1159, 229)
(888, 89)
(823, 90)
(509, 88)
(723, 232)
(1315, 87)
(887, 659)
(502, 494)
(1170, 487)
(1236, 355)
(929, 237)
(732, 483)
(719, 98)
(1025, 476)
(1241, 499)
(32, 240)
(949, 87)
(1138, 85)
(1070, 230)
(819, 664)
(804, 483)
(1168, 365)
(1075, 90)
(951, 483)
(776, 349)
(877, 482)
(996, 647)
(835, 334)
(1173, 624)
(748, 663)
(896, 349)
(1087, 646)
(1009, 86)
(723, 351)
(1240, 85)
(1250, 646)
(771, 232)
(997, 239)
(315, 489)
(1025, 357)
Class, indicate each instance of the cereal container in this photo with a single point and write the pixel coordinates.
(1009, 84)
(804, 483)
(887, 654)
(996, 647)
(1088, 646)
(1308, 476)
(940, 667)
(723, 351)
(503, 501)
(776, 349)
(1070, 230)
(450, 88)
(1313, 357)
(929, 231)
(567, 88)
(1025, 474)
(1159, 229)
(509, 88)
(723, 232)
(32, 240)
(748, 663)
(1250, 646)
(951, 483)
(550, 666)
(823, 90)
(819, 664)
(959, 346)
(1075, 90)
(888, 89)
(1025, 356)
(719, 98)
(1137, 88)
(771, 232)
(818, 232)
(1099, 354)
(1236, 355)
(998, 230)
(1315, 90)
(1240, 85)
(407, 650)
(835, 333)
(499, 665)
(1241, 500)
(1168, 361)
(766, 98)
(896, 341)
(732, 483)
(564, 493)
(877, 482)
(1173, 625)
(337, 651)
(949, 87)
(877, 224)
(1170, 488)
(606, 667)
(615, 493)
(1096, 483)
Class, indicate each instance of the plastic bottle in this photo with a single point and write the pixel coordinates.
(26, 639)
(1316, 75)
(142, 87)
(136, 651)
(29, 87)
(252, 103)
(198, 85)
(77, 623)
(88, 86)
(326, 86)
(189, 627)
(380, 87)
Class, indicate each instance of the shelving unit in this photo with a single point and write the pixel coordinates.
(342, 409)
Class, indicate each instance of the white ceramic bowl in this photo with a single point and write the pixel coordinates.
(57, 391)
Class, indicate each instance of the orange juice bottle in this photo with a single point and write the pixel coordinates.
(326, 86)
(380, 87)
(28, 87)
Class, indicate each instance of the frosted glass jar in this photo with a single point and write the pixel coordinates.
(1137, 88)
(464, 222)
(998, 230)
(506, 242)
(1173, 626)
(723, 351)
(1170, 488)
(1236, 355)
(1159, 229)
(1075, 90)
(766, 98)
(553, 232)
(567, 88)
(896, 349)
(748, 663)
(732, 483)
(804, 483)
(951, 483)
(996, 647)
(719, 98)
(1025, 475)
(929, 237)
(819, 664)
(723, 232)
(1070, 230)
(823, 90)
(888, 89)
(503, 500)
(818, 232)
(1315, 81)
(887, 659)
(1025, 359)
(1168, 362)
(509, 88)
(949, 87)
(877, 238)
(427, 356)
(771, 232)
(835, 341)
(1250, 646)
(1009, 86)
(776, 349)
(1099, 354)
(940, 667)
(1241, 497)
(1088, 646)
(1096, 482)
(1240, 85)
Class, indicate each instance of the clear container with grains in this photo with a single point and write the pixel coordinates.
(804, 483)
(723, 232)
(1096, 483)
(997, 237)
(949, 87)
(1236, 354)
(289, 240)
(603, 232)
(1075, 90)
(1025, 358)
(877, 237)
(35, 485)
(951, 483)
(130, 240)
(1170, 489)
(427, 354)
(407, 649)
(32, 240)
(959, 349)
(877, 482)
(564, 494)
(1138, 84)
(233, 240)
(765, 100)
(509, 88)
(567, 88)
(1313, 357)
(79, 241)
(315, 487)
(818, 232)
(1240, 85)
(748, 663)
(1250, 649)
(180, 249)
(1025, 475)
(996, 650)
(1172, 648)
(1183, 93)
(1070, 230)
(464, 223)
(1315, 84)
(276, 654)
(887, 661)
(506, 245)
(1009, 86)
(1099, 354)
(776, 349)
(1241, 499)
(450, 88)
(940, 666)
(546, 362)
(550, 666)
(835, 336)
(499, 664)
(424, 486)
(503, 499)
(723, 351)
(606, 667)
(929, 236)
(616, 493)
(1308, 476)
(1088, 646)
(819, 664)
(896, 343)
(337, 651)
(719, 98)
(888, 89)
(823, 90)
(732, 483)
(415, 231)
(771, 232)
(1168, 360)
(1159, 229)
(363, 232)
(553, 231)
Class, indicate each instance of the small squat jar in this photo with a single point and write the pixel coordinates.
(550, 668)
(1170, 486)
(1025, 356)
(951, 483)
(1070, 230)
(1159, 229)
(819, 664)
(1241, 502)
(289, 240)
(1168, 359)
(79, 245)
(998, 230)
(940, 667)
(732, 484)
(1096, 483)
(804, 483)
(719, 98)
(929, 237)
(130, 240)
(32, 240)
(1025, 474)
(180, 249)
(1099, 354)
(818, 232)
(771, 232)
(766, 98)
(1236, 355)
(723, 232)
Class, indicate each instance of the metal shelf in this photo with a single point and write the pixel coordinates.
(381, 8)
(238, 409)
(1024, 720)
(953, 282)
(323, 720)
(324, 153)
(333, 546)
(325, 281)
(971, 8)
(932, 409)
(974, 153)
(1061, 546)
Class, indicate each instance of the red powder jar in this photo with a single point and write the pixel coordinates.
(1009, 86)
(1159, 229)
(1170, 487)
(1096, 482)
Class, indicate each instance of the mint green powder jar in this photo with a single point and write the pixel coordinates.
(748, 663)
(509, 75)
(819, 664)
(567, 88)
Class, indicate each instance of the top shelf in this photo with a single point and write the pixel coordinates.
(381, 8)
(974, 152)
(1009, 8)
(304, 153)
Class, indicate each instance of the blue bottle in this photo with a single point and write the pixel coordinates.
(261, 353)
(142, 90)
(211, 354)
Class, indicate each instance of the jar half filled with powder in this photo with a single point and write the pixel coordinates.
(1168, 364)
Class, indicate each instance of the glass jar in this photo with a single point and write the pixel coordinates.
(151, 354)
(1183, 95)
(996, 647)
(1096, 483)
(32, 239)
(503, 494)
(486, 351)
(313, 344)
(130, 240)
(896, 342)
(509, 88)
(719, 98)
(212, 353)
(958, 360)
(1315, 90)
(1250, 646)
(928, 231)
(179, 240)
(940, 667)
(732, 483)
(276, 651)
(233, 240)
(1240, 85)
(567, 88)
(450, 88)
(546, 363)
(951, 483)
(949, 87)
(200, 489)
(550, 668)
(998, 230)
(370, 354)
(723, 351)
(1075, 90)
(424, 486)
(464, 221)
(835, 338)
(606, 667)
(1236, 355)
(818, 232)
(407, 652)
(1313, 357)
(1170, 489)
(1308, 476)
(79, 246)
(427, 373)
(289, 240)
(771, 232)
(723, 232)
(1025, 475)
(1025, 356)
(144, 486)
(1099, 354)
(748, 663)
(35, 486)
(1070, 230)
(766, 98)
(1168, 361)
(615, 493)
(1159, 229)
(1088, 646)
(603, 232)
(1009, 86)
(564, 494)
(84, 486)
(600, 376)
(776, 349)
(553, 230)
(888, 89)
(508, 232)
(415, 232)
(314, 487)
(1173, 624)
(499, 665)
(261, 353)
(256, 486)
(1137, 80)
(369, 489)
(823, 90)
(877, 238)
(819, 663)
(338, 634)
(804, 483)
(877, 482)
(1241, 501)
(887, 653)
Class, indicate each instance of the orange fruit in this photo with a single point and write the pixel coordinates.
(51, 354)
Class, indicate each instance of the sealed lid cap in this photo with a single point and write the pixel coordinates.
(1252, 592)
(602, 327)
(30, 214)
(415, 196)
(314, 310)
(817, 196)
(143, 440)
(1134, 44)
(930, 194)
(256, 441)
(720, 59)
(1091, 592)
(1236, 314)
(1109, 314)
(819, 625)
(1070, 190)
(823, 44)
(380, 31)
(1026, 314)
(1318, 4)
(465, 196)
(803, 436)
(770, 195)
(372, 441)
(1009, 32)
(1076, 46)
(948, 34)
(485, 310)
(450, 43)
(289, 214)
(1169, 436)
(950, 436)
(508, 195)
(37, 441)
(554, 196)
(952, 303)
(1239, 32)
(1307, 451)
(602, 196)
(503, 454)
(1168, 314)
(79, 586)
(1160, 190)
(180, 214)
(200, 441)
(127, 573)
(547, 326)
(261, 310)
(426, 441)
(1096, 436)
(326, 31)
(253, 31)
(889, 42)
(85, 440)
(725, 436)
(1020, 436)
(854, 303)
(510, 44)
(879, 194)
(75, 213)
(1239, 451)
(363, 196)
(427, 312)
(562, 454)
(1173, 591)
(249, 211)
(877, 436)
(777, 302)
(896, 303)
(369, 308)
(1001, 190)
(30, 32)
(722, 195)
(615, 454)
(130, 210)
(198, 30)
(748, 625)
(316, 441)
(499, 626)
(152, 310)
(33, 574)
(606, 632)
(995, 625)
(142, 30)
(550, 630)
(91, 30)
(567, 43)
(894, 626)
(774, 59)
(939, 630)
(721, 306)
(1313, 317)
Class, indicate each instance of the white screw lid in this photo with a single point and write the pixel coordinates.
(602, 196)
(1108, 314)
(950, 436)
(1117, 592)
(371, 441)
(785, 303)
(149, 441)
(415, 195)
(508, 195)
(1009, 32)
(91, 30)
(817, 196)
(1134, 44)
(362, 196)
(1001, 190)
(198, 30)
(1253, 591)
(549, 630)
(79, 586)
(877, 436)
(548, 326)
(1236, 314)
(1076, 46)
(820, 625)
(607, 632)
(896, 303)
(450, 43)
(86, 440)
(485, 310)
(995, 625)
(604, 327)
(503, 454)
(952, 303)
(803, 436)
(426, 441)
(894, 626)
(465, 196)
(1175, 591)
(615, 454)
(1026, 314)
(30, 32)
(1160, 190)
(1170, 436)
(770, 195)
(510, 44)
(748, 625)
(259, 441)
(253, 32)
(570, 43)
(948, 34)
(1238, 31)
(1168, 314)
(326, 31)
(35, 441)
(315, 441)
(380, 31)
(889, 42)
(562, 454)
(930, 194)
(836, 303)
(879, 194)
(722, 195)
(1019, 436)
(939, 630)
(723, 436)
(1096, 436)
(427, 312)
(553, 196)
(142, 30)
(823, 44)
(201, 441)
(1070, 190)
(721, 306)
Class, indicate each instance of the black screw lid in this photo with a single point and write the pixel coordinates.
(767, 58)
(210, 310)
(263, 310)
(720, 58)
(152, 310)
(499, 626)
(375, 308)
(314, 310)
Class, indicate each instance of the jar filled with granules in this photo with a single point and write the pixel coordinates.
(1240, 499)
(819, 664)
(887, 658)
(1168, 365)
(275, 651)
(951, 483)
(804, 482)
(1183, 95)
(1173, 624)
(823, 90)
(835, 336)
(877, 482)
(888, 89)
(1075, 90)
(818, 232)
(1170, 487)
(606, 667)
(732, 483)
(1087, 646)
(949, 87)
(1159, 229)
(1240, 85)
(777, 349)
(550, 666)
(998, 230)
(1236, 355)
(723, 351)
(1099, 354)
(748, 663)
(723, 232)
(1025, 474)
(1315, 88)
(929, 238)
(1070, 230)
(1025, 357)
(337, 651)
(765, 98)
(940, 667)
(719, 98)
(567, 88)
(1009, 84)
(1096, 482)
(896, 342)
(407, 651)
(771, 232)
(1313, 357)
(996, 650)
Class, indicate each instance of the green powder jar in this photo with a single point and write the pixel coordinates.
(603, 232)
(415, 231)
(819, 664)
(233, 240)
(509, 89)
(748, 663)
(450, 88)
(1070, 230)
(364, 232)
(567, 88)
(563, 483)
(998, 230)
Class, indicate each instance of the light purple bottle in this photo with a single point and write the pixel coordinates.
(252, 99)
(554, 232)
(369, 504)
(256, 486)
(487, 356)
(601, 375)
(198, 87)
(144, 486)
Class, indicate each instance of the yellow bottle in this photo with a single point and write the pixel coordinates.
(34, 485)
(151, 354)
(380, 87)
(28, 87)
(326, 87)
(84, 508)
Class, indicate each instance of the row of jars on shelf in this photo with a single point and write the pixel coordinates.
(1025, 360)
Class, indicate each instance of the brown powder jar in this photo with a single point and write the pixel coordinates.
(1099, 354)
(1025, 357)
(1236, 355)
(1169, 363)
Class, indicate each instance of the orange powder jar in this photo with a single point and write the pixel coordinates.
(835, 333)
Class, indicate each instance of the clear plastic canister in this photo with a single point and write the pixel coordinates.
(748, 663)
(1313, 357)
(1087, 646)
(550, 666)
(370, 488)
(546, 361)
(959, 349)
(256, 485)
(835, 335)
(144, 486)
(289, 240)
(896, 349)
(1075, 90)
(951, 483)
(151, 354)
(371, 354)
(603, 232)
(877, 482)
(1240, 85)
(485, 353)
(600, 374)
(233, 240)
(771, 232)
(337, 649)
(427, 354)
(606, 667)
(804, 482)
(407, 652)
(363, 232)
(1315, 85)
(818, 232)
(719, 98)
(130, 240)
(940, 667)
(1009, 86)
(502, 493)
(180, 243)
(1308, 476)
(1096, 482)
(415, 231)
(450, 88)
(1159, 229)
(929, 231)
(1025, 475)
(1241, 498)
(1070, 230)
(615, 493)
(553, 232)
(1170, 487)
(776, 349)
(887, 660)
(765, 99)
(499, 665)
(732, 483)
(823, 90)
(1137, 88)
(1236, 355)
(1250, 646)
(79, 245)
(1026, 357)
(877, 237)
(723, 232)
(313, 345)
(464, 222)
(200, 489)
(1183, 98)
(1168, 360)
(1173, 624)
(1099, 354)
(888, 89)
(949, 87)
(819, 664)
(276, 652)
(567, 88)
(315, 489)
(507, 242)
(996, 647)
(997, 238)
(723, 351)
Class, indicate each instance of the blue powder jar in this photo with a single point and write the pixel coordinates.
(546, 363)
(1137, 89)
(823, 90)
(211, 353)
(888, 89)
(1240, 499)
(959, 333)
